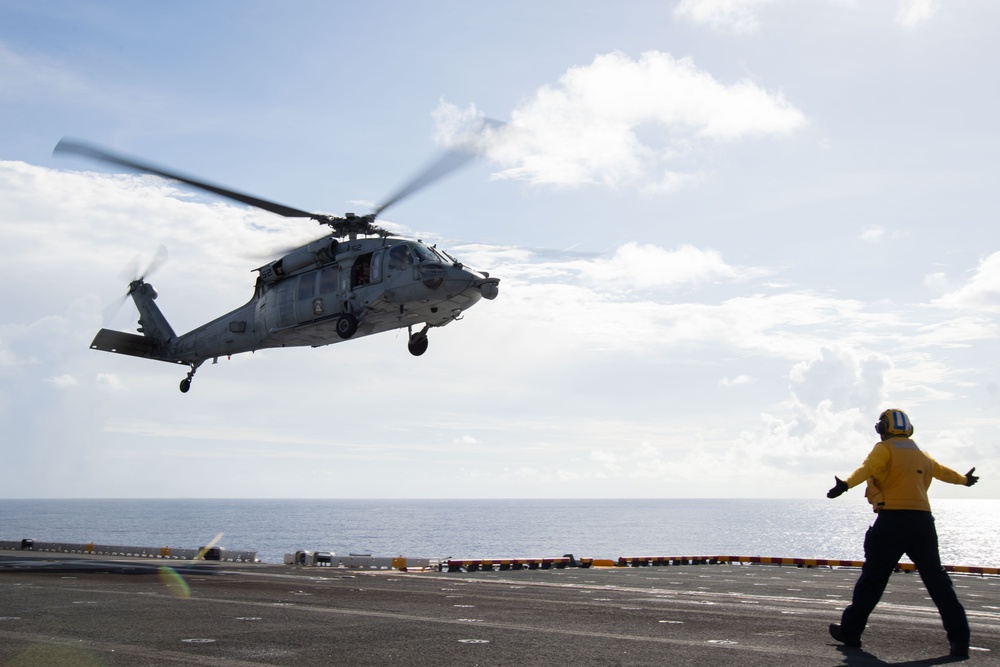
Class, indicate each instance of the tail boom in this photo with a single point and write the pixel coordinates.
(132, 345)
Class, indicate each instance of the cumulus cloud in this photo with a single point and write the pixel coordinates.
(603, 372)
(842, 377)
(937, 283)
(981, 292)
(637, 266)
(620, 121)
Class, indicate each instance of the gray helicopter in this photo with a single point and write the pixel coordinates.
(357, 281)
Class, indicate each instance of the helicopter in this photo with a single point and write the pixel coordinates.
(356, 281)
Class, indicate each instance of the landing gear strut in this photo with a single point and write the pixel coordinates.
(186, 382)
(418, 341)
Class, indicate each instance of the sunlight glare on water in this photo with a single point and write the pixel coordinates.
(815, 528)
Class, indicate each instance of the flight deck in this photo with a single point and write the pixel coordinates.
(98, 611)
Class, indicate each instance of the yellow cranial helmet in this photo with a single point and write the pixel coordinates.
(892, 423)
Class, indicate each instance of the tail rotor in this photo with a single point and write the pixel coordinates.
(135, 275)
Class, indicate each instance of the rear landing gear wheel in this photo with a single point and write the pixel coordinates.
(347, 325)
(186, 382)
(418, 344)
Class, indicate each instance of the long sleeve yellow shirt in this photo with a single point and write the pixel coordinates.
(903, 472)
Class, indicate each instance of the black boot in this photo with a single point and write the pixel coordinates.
(851, 640)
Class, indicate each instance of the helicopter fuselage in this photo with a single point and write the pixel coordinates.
(322, 293)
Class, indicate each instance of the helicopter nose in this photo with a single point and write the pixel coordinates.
(489, 289)
(459, 280)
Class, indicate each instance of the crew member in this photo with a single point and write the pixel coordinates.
(901, 471)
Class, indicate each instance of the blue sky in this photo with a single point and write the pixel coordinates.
(729, 233)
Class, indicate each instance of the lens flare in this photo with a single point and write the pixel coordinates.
(174, 582)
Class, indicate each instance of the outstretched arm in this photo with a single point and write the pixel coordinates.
(946, 474)
(876, 462)
(838, 488)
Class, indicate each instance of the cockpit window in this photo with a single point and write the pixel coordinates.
(400, 257)
(425, 254)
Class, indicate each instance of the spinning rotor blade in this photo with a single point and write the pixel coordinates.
(68, 146)
(111, 310)
(133, 274)
(469, 147)
(450, 161)
(437, 170)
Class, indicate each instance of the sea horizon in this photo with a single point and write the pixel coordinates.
(496, 527)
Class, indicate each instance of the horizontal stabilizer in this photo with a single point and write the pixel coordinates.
(133, 345)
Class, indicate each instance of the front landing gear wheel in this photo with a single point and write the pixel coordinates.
(347, 325)
(418, 344)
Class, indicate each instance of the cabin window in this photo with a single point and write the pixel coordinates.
(307, 286)
(376, 276)
(328, 280)
(361, 271)
(286, 304)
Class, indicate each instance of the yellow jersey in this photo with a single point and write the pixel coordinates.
(903, 472)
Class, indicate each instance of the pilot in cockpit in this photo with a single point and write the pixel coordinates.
(400, 257)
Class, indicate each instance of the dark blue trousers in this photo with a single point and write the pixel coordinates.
(894, 533)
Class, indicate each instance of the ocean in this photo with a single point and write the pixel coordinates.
(815, 528)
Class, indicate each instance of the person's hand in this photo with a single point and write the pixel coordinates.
(971, 479)
(840, 487)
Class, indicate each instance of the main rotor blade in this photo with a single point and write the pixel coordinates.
(453, 159)
(437, 170)
(94, 153)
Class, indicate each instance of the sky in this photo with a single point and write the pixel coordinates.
(729, 234)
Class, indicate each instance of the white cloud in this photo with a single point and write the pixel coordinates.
(108, 382)
(587, 127)
(878, 234)
(64, 381)
(937, 283)
(911, 13)
(637, 266)
(981, 292)
(742, 17)
(603, 372)
(842, 377)
(604, 457)
(872, 234)
(736, 16)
